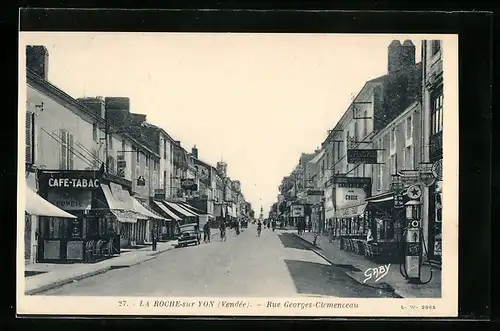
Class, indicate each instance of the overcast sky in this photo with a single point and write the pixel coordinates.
(257, 101)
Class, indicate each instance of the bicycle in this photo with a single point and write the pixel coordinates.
(223, 236)
(259, 230)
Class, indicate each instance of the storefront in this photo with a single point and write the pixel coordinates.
(203, 217)
(435, 222)
(152, 222)
(374, 228)
(36, 207)
(298, 215)
(349, 195)
(170, 227)
(104, 210)
(220, 214)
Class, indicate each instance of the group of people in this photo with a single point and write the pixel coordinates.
(222, 228)
(268, 223)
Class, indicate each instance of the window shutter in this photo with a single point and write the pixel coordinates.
(29, 137)
(71, 155)
(64, 150)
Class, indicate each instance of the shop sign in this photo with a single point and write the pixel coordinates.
(298, 211)
(398, 201)
(71, 200)
(73, 183)
(362, 156)
(141, 181)
(414, 192)
(315, 192)
(425, 174)
(437, 170)
(352, 182)
(159, 194)
(349, 196)
(349, 211)
(73, 179)
(121, 165)
(189, 184)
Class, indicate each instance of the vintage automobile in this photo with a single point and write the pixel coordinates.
(190, 234)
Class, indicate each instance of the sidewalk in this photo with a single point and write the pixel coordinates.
(54, 275)
(355, 266)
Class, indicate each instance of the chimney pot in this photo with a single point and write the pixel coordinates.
(37, 60)
(194, 152)
(400, 56)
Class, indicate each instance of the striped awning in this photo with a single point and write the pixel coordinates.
(179, 209)
(138, 207)
(167, 211)
(351, 211)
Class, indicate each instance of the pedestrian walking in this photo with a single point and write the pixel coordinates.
(154, 237)
(331, 233)
(206, 232)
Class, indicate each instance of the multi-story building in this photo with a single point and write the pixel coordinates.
(399, 148)
(379, 102)
(316, 192)
(432, 110)
(68, 145)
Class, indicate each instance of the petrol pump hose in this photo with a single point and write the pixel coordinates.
(402, 266)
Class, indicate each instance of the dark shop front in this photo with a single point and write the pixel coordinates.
(80, 239)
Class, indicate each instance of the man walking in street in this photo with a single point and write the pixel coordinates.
(206, 232)
(154, 237)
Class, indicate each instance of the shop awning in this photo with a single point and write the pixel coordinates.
(167, 211)
(194, 209)
(138, 207)
(124, 216)
(387, 196)
(181, 205)
(351, 211)
(188, 208)
(36, 205)
(179, 209)
(122, 205)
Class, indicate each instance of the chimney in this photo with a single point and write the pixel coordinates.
(37, 60)
(408, 54)
(194, 151)
(118, 111)
(96, 104)
(117, 103)
(394, 56)
(400, 57)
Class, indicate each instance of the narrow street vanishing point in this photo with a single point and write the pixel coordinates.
(276, 264)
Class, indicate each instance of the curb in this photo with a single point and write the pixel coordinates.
(103, 270)
(62, 282)
(385, 286)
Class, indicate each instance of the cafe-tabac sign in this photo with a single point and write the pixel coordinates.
(81, 180)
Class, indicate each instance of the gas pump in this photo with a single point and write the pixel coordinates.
(414, 243)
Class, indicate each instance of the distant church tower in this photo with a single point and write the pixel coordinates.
(261, 215)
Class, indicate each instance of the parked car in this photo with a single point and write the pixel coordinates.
(190, 234)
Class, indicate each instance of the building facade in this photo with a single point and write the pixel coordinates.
(433, 106)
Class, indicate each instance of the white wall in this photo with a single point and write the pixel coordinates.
(48, 122)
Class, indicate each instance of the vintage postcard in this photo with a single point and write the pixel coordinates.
(238, 174)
